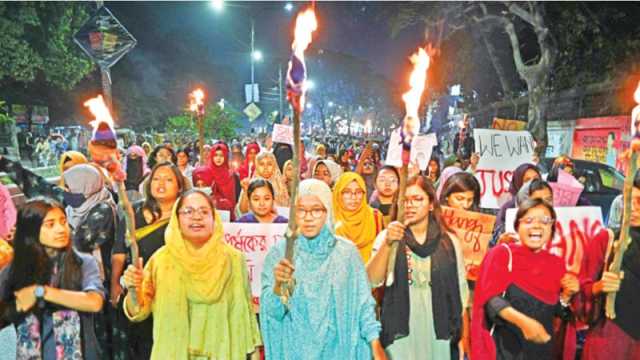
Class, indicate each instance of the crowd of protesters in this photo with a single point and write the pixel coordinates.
(69, 288)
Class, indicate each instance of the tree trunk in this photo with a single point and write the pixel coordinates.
(507, 89)
(536, 114)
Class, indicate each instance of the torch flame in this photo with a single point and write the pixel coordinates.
(411, 98)
(197, 100)
(636, 111)
(100, 111)
(306, 24)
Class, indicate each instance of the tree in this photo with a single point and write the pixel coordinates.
(36, 40)
(219, 123)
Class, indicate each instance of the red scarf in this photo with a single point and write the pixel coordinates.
(538, 274)
(248, 168)
(224, 190)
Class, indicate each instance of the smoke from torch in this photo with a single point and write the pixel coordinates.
(306, 24)
(411, 121)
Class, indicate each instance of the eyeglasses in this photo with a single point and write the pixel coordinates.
(353, 194)
(415, 201)
(316, 213)
(544, 220)
(190, 212)
(391, 180)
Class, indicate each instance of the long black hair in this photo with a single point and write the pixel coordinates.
(31, 264)
(150, 203)
(461, 182)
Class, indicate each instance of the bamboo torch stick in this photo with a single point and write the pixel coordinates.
(306, 24)
(410, 127)
(624, 240)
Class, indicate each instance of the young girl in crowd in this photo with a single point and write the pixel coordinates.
(50, 291)
(261, 204)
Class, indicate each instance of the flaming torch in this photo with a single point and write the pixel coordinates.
(103, 150)
(197, 107)
(632, 167)
(306, 24)
(410, 128)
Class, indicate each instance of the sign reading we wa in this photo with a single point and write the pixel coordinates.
(501, 152)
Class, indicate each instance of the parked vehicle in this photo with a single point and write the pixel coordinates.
(602, 183)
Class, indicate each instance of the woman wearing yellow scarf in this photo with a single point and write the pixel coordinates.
(197, 288)
(354, 218)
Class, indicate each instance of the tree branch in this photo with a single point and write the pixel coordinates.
(524, 15)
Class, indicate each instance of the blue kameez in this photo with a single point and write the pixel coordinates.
(331, 312)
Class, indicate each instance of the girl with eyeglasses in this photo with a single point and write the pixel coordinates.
(197, 288)
(330, 314)
(423, 295)
(520, 289)
(354, 218)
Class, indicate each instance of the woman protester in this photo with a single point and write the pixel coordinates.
(183, 161)
(522, 175)
(617, 338)
(368, 169)
(287, 172)
(50, 291)
(387, 183)
(354, 218)
(261, 204)
(135, 166)
(326, 170)
(223, 182)
(330, 314)
(68, 160)
(196, 287)
(162, 153)
(461, 191)
(151, 216)
(423, 295)
(520, 288)
(433, 170)
(267, 168)
(248, 168)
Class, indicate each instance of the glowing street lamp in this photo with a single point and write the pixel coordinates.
(256, 55)
(288, 7)
(217, 5)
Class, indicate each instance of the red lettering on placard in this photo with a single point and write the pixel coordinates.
(499, 181)
(570, 243)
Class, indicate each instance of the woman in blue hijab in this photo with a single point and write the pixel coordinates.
(330, 314)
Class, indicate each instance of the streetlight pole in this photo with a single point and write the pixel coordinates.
(280, 97)
(252, 56)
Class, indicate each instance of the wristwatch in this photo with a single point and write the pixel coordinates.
(39, 292)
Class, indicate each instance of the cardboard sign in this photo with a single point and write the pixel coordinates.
(506, 124)
(501, 152)
(282, 134)
(474, 231)
(421, 148)
(567, 190)
(576, 226)
(254, 240)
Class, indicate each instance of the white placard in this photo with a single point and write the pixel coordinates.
(421, 148)
(394, 153)
(254, 240)
(282, 134)
(501, 152)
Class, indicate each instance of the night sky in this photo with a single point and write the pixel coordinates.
(358, 28)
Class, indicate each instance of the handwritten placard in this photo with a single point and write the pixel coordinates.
(282, 134)
(474, 231)
(394, 153)
(421, 148)
(576, 226)
(567, 190)
(254, 240)
(501, 152)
